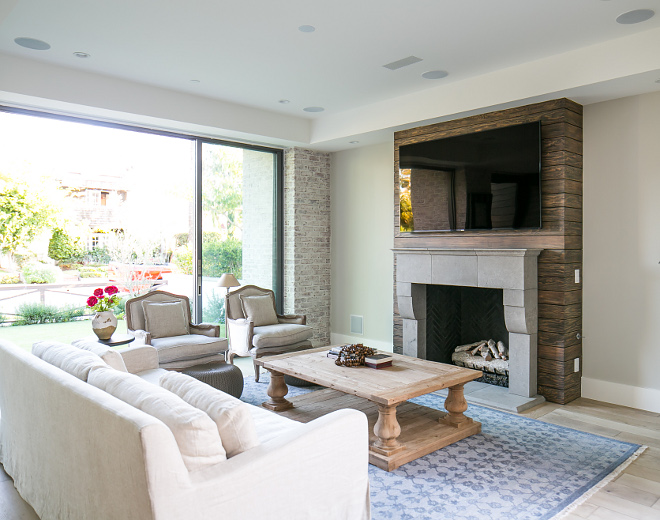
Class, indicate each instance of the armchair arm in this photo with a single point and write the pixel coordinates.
(140, 358)
(141, 336)
(205, 329)
(240, 336)
(298, 319)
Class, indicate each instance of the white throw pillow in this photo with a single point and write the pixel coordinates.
(195, 433)
(165, 319)
(259, 309)
(107, 354)
(72, 360)
(232, 416)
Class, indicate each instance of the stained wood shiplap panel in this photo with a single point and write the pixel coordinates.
(560, 298)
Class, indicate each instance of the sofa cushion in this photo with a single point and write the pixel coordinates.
(165, 319)
(107, 354)
(270, 425)
(190, 346)
(281, 334)
(195, 433)
(232, 416)
(72, 360)
(259, 309)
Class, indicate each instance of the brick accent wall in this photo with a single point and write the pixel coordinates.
(307, 239)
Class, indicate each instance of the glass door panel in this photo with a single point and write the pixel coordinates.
(237, 222)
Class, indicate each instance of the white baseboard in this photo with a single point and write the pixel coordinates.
(624, 395)
(339, 339)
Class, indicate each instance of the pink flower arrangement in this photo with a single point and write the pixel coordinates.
(103, 299)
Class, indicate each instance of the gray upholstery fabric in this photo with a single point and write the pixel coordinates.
(165, 319)
(259, 309)
(190, 346)
(280, 334)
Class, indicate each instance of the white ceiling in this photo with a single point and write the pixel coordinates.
(251, 54)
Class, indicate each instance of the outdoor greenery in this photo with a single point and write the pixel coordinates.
(64, 248)
(98, 255)
(222, 197)
(23, 214)
(36, 313)
(218, 256)
(10, 278)
(92, 271)
(214, 310)
(36, 272)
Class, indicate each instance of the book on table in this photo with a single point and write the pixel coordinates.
(378, 361)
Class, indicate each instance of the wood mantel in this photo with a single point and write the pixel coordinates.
(560, 238)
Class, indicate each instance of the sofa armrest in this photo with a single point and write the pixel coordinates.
(240, 336)
(141, 336)
(298, 319)
(205, 329)
(326, 461)
(139, 358)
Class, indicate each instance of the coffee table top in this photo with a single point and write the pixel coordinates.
(408, 377)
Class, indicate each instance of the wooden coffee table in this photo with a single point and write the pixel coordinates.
(398, 437)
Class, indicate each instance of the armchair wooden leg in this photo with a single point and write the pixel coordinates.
(256, 372)
(229, 357)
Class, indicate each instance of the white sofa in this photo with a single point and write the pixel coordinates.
(77, 452)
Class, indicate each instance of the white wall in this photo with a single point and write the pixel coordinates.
(621, 287)
(362, 239)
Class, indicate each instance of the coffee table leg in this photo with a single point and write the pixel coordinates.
(387, 430)
(277, 389)
(455, 404)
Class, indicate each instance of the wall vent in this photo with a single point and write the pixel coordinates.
(356, 324)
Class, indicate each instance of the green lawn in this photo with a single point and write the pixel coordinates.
(25, 335)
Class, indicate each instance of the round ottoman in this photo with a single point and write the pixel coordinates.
(220, 375)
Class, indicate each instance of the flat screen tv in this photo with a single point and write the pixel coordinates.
(483, 180)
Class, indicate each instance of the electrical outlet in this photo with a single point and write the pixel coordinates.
(577, 276)
(576, 364)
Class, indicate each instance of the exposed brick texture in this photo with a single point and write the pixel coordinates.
(307, 239)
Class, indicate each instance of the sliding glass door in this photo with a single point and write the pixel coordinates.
(138, 208)
(237, 222)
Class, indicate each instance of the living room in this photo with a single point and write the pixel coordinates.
(613, 72)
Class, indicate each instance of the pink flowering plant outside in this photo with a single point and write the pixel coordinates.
(103, 299)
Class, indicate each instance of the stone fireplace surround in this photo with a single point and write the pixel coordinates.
(513, 270)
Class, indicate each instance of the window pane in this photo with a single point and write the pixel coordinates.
(237, 221)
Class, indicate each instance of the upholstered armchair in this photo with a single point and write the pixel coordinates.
(255, 329)
(162, 319)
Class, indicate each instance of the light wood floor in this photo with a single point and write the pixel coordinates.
(635, 494)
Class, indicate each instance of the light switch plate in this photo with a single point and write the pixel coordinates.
(577, 276)
(576, 364)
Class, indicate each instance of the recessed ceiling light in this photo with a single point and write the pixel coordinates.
(194, 81)
(284, 101)
(31, 43)
(307, 28)
(314, 109)
(81, 55)
(657, 80)
(354, 142)
(435, 74)
(636, 16)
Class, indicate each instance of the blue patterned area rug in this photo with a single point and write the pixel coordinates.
(515, 469)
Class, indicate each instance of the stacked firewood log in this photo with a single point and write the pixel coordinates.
(487, 349)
